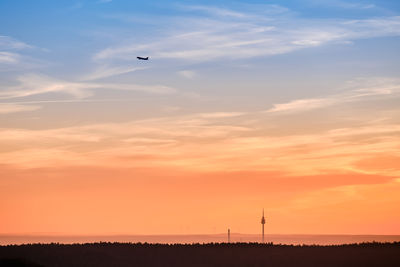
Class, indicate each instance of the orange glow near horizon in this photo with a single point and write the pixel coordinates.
(93, 180)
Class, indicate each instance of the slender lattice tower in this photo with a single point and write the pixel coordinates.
(229, 235)
(262, 223)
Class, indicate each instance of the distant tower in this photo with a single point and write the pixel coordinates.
(262, 223)
(229, 235)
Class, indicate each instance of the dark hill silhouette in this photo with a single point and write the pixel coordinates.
(236, 254)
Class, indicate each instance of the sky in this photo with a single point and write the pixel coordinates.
(290, 106)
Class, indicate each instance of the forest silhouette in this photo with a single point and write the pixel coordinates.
(212, 254)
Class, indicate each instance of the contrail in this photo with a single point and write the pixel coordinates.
(68, 101)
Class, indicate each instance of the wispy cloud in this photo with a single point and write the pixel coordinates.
(203, 142)
(303, 104)
(214, 140)
(220, 115)
(70, 101)
(154, 89)
(356, 90)
(10, 50)
(214, 11)
(246, 10)
(106, 71)
(229, 34)
(342, 4)
(9, 57)
(33, 84)
(189, 74)
(14, 108)
(7, 42)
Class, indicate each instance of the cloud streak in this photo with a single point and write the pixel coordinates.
(203, 142)
(189, 74)
(342, 4)
(14, 108)
(106, 71)
(228, 34)
(9, 43)
(9, 57)
(33, 84)
(356, 90)
(9, 51)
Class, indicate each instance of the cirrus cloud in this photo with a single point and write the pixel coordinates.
(230, 34)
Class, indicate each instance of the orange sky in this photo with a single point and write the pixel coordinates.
(196, 174)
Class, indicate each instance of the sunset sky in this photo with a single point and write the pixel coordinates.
(291, 106)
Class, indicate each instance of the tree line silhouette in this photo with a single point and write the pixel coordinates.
(211, 254)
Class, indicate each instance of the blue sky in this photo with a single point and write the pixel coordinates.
(198, 49)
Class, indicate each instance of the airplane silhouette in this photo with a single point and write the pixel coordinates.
(143, 58)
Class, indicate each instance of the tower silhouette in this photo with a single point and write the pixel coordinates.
(229, 235)
(262, 223)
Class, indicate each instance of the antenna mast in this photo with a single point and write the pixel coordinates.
(262, 224)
